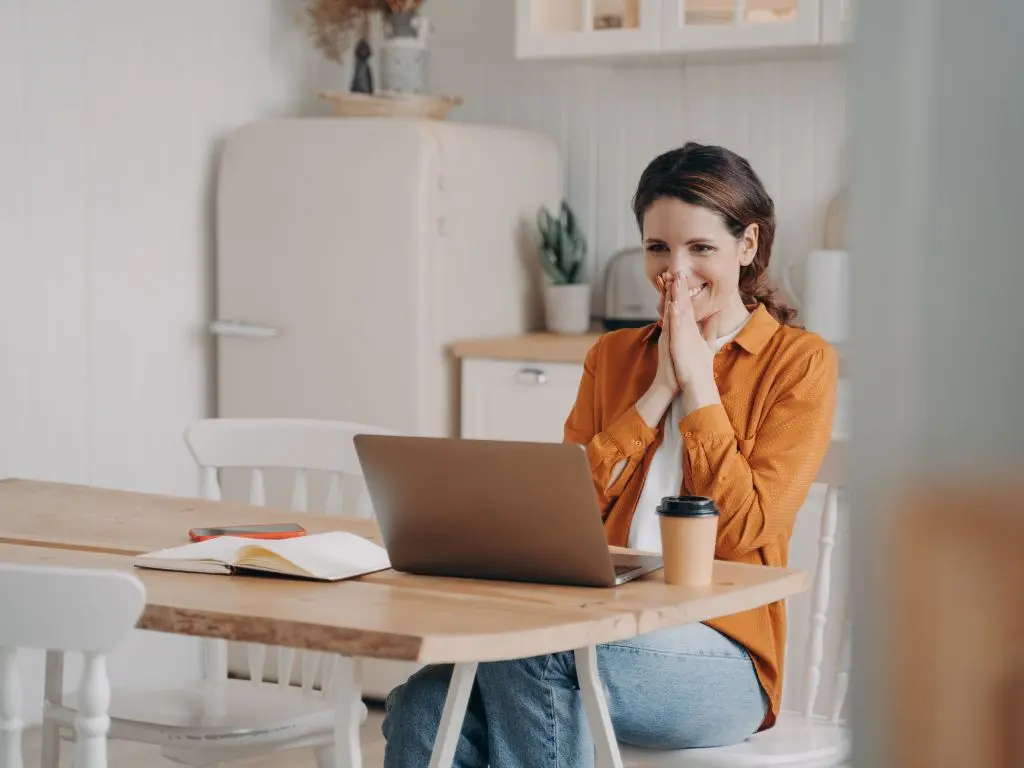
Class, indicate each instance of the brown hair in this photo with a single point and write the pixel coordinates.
(722, 181)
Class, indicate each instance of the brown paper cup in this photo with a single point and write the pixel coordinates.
(689, 526)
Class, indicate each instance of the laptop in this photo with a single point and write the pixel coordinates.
(491, 509)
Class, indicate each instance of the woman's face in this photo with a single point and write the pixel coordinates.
(691, 241)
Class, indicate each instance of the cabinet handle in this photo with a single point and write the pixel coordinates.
(244, 330)
(536, 376)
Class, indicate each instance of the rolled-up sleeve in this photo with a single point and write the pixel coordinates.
(626, 438)
(759, 497)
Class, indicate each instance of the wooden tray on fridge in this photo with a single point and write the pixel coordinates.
(386, 104)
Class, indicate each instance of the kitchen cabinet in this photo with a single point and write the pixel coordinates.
(517, 399)
(547, 29)
(723, 25)
(585, 28)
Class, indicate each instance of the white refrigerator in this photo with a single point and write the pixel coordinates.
(352, 251)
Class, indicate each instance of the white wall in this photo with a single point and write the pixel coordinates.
(786, 117)
(109, 122)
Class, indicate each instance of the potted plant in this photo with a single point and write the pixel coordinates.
(563, 250)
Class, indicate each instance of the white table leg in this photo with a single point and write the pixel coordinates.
(454, 715)
(347, 686)
(596, 706)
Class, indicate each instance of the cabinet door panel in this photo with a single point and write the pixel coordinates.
(713, 25)
(517, 400)
(586, 28)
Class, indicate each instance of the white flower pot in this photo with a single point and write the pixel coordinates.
(567, 307)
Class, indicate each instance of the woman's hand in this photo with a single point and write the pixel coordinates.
(666, 378)
(690, 345)
(665, 387)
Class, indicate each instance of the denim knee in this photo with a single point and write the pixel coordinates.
(414, 708)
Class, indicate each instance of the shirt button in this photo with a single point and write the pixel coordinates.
(687, 434)
(637, 443)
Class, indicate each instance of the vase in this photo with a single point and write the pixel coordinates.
(402, 24)
(403, 58)
(403, 68)
(567, 308)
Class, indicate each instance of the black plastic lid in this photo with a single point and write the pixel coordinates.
(687, 506)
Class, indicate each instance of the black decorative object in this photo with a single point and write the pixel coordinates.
(362, 77)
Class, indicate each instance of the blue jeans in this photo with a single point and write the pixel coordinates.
(678, 688)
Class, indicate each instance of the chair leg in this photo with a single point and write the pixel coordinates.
(92, 721)
(54, 694)
(324, 756)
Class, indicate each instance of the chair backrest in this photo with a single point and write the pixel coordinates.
(64, 609)
(822, 608)
(300, 447)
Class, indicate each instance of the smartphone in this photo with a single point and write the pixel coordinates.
(275, 531)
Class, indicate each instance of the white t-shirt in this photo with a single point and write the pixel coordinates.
(665, 476)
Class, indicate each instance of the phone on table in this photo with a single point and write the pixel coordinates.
(272, 531)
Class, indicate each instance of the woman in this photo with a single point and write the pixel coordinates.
(721, 398)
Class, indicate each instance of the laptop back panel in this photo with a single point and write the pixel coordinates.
(486, 509)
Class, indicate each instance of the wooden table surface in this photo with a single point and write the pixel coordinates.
(383, 615)
(128, 523)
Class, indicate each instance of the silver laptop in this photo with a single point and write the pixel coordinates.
(491, 509)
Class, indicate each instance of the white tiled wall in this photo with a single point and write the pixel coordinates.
(786, 117)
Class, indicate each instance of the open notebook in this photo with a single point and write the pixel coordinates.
(322, 556)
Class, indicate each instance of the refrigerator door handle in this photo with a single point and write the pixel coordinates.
(241, 330)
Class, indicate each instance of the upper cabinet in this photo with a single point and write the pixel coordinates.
(586, 28)
(721, 25)
(610, 28)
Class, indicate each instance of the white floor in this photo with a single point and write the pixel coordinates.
(125, 755)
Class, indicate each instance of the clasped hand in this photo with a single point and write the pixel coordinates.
(685, 357)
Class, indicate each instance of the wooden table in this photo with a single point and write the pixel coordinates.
(387, 615)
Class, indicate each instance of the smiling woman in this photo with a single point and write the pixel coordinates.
(704, 212)
(721, 398)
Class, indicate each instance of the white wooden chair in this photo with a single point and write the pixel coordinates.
(59, 610)
(291, 701)
(808, 738)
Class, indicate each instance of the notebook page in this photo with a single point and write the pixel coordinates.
(328, 555)
(220, 550)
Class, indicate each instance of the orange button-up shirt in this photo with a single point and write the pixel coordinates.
(756, 454)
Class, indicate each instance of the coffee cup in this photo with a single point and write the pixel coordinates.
(689, 526)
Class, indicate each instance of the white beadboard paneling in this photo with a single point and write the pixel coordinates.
(44, 387)
(786, 117)
(109, 126)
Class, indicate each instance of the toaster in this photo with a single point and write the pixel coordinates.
(630, 301)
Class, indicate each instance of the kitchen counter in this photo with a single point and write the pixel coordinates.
(531, 347)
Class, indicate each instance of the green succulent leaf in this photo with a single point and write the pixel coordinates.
(563, 246)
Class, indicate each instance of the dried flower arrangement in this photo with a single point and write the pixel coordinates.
(404, 6)
(332, 22)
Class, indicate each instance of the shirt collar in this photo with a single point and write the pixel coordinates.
(755, 334)
(759, 329)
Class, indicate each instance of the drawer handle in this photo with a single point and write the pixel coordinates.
(536, 376)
